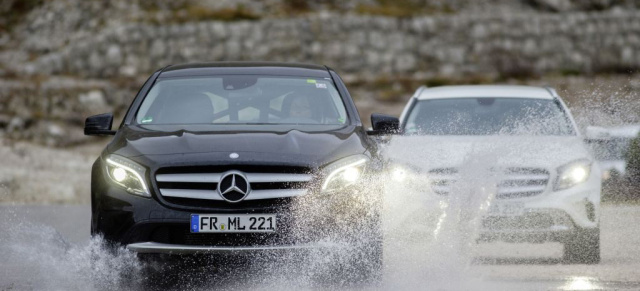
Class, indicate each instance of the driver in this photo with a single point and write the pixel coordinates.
(300, 107)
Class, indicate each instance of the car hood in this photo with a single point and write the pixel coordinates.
(293, 147)
(429, 152)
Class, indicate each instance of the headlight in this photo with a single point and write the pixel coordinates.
(127, 174)
(572, 174)
(344, 172)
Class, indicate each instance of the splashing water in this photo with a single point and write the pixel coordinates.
(41, 259)
(430, 237)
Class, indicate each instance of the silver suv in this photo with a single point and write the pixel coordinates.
(516, 145)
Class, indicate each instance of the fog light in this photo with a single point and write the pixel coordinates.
(119, 174)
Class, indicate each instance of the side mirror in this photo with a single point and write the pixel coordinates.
(99, 125)
(384, 124)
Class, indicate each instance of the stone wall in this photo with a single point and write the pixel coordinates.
(68, 59)
(362, 46)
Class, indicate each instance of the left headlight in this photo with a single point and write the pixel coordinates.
(344, 172)
(572, 174)
(127, 174)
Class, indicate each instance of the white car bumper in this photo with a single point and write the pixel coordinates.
(548, 216)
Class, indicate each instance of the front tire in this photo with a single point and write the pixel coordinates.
(583, 247)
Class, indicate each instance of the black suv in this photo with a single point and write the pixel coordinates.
(233, 157)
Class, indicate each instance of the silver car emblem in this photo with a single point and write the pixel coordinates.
(233, 187)
(234, 155)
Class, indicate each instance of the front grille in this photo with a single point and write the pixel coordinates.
(522, 182)
(513, 182)
(530, 221)
(197, 186)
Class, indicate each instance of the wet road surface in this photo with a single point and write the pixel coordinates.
(47, 243)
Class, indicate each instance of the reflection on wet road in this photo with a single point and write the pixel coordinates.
(61, 233)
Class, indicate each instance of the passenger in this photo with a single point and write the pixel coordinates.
(300, 107)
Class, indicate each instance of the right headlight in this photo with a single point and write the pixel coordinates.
(127, 174)
(572, 174)
(344, 172)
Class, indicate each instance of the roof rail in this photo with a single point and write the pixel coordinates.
(419, 91)
(552, 91)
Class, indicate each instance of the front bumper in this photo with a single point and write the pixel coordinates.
(145, 225)
(548, 216)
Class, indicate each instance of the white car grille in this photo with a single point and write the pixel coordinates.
(514, 182)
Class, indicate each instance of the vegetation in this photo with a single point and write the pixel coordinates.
(398, 89)
(199, 13)
(402, 8)
(182, 12)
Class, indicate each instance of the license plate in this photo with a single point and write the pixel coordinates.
(506, 209)
(233, 223)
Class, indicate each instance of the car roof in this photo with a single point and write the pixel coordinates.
(489, 91)
(245, 68)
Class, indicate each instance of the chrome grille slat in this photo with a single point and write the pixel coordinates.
(272, 194)
(527, 177)
(190, 193)
(272, 177)
(192, 178)
(251, 177)
(213, 195)
(503, 190)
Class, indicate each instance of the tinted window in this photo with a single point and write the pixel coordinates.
(488, 116)
(243, 100)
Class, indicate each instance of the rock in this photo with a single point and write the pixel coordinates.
(16, 124)
(405, 63)
(55, 131)
(92, 99)
(128, 71)
(114, 55)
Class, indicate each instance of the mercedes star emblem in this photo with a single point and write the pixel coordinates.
(233, 187)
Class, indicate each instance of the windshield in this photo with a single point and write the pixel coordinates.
(488, 116)
(226, 102)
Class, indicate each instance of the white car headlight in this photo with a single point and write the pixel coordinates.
(344, 172)
(128, 175)
(572, 174)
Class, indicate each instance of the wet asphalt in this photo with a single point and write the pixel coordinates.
(29, 232)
